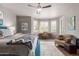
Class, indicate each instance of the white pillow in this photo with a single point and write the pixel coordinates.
(6, 32)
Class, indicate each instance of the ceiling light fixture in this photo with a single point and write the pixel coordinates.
(39, 7)
(38, 10)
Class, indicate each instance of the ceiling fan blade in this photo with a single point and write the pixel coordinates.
(47, 6)
(30, 5)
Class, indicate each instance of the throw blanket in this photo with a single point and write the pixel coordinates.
(28, 44)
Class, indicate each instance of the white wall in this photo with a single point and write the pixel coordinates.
(9, 18)
(65, 26)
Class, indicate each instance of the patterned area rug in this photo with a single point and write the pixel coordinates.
(48, 48)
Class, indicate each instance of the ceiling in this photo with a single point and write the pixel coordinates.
(57, 9)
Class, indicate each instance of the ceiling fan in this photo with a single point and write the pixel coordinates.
(39, 7)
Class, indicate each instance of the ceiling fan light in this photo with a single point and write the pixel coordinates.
(38, 10)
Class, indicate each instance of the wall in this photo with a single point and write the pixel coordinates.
(23, 19)
(9, 18)
(65, 26)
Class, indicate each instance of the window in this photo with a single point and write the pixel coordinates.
(43, 27)
(53, 26)
(35, 26)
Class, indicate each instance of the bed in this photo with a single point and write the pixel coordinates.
(18, 36)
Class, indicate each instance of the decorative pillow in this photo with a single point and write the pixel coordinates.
(6, 32)
(67, 40)
(74, 41)
(61, 37)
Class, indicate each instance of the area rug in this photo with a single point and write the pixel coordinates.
(48, 48)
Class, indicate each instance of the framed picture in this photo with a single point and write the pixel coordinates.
(72, 23)
(24, 26)
(1, 21)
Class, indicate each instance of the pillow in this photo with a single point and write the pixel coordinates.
(6, 32)
(73, 41)
(61, 37)
(67, 40)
